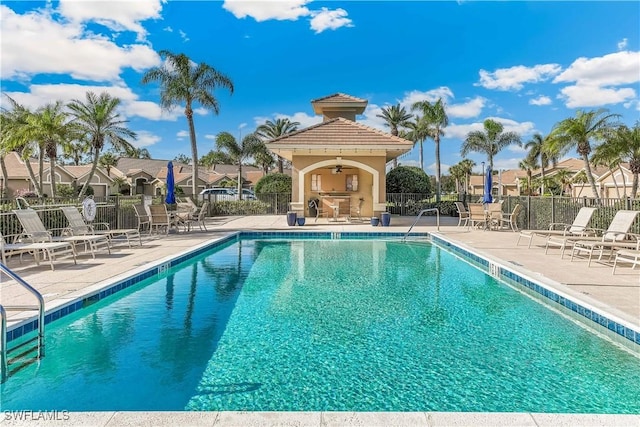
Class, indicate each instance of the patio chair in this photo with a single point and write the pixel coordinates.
(356, 210)
(477, 216)
(159, 218)
(49, 251)
(628, 256)
(36, 232)
(315, 204)
(494, 214)
(616, 237)
(616, 232)
(200, 217)
(78, 227)
(579, 227)
(463, 214)
(511, 219)
(143, 217)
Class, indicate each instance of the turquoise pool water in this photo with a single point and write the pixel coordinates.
(325, 325)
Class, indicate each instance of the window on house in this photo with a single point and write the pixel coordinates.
(316, 182)
(352, 182)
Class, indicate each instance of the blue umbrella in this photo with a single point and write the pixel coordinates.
(486, 198)
(171, 198)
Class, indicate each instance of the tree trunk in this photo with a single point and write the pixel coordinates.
(542, 175)
(52, 172)
(239, 180)
(437, 142)
(41, 172)
(421, 158)
(395, 163)
(94, 166)
(32, 175)
(592, 181)
(280, 165)
(634, 186)
(624, 182)
(194, 149)
(615, 183)
(5, 174)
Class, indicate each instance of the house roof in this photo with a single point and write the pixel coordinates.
(339, 102)
(340, 132)
(337, 98)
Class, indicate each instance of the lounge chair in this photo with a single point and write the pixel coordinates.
(477, 216)
(78, 227)
(579, 227)
(616, 237)
(356, 210)
(36, 232)
(629, 256)
(616, 232)
(463, 214)
(49, 251)
(511, 219)
(200, 217)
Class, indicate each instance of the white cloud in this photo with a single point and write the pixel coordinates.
(242, 125)
(40, 95)
(182, 134)
(593, 96)
(471, 108)
(210, 136)
(513, 78)
(460, 131)
(183, 35)
(87, 56)
(610, 70)
(433, 95)
(266, 10)
(121, 16)
(506, 164)
(541, 100)
(516, 149)
(622, 44)
(327, 19)
(304, 119)
(168, 29)
(201, 111)
(146, 139)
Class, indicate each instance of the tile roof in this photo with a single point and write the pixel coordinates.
(339, 97)
(341, 132)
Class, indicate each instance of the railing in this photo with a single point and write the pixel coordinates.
(418, 217)
(39, 339)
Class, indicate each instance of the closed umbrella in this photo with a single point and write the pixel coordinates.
(171, 198)
(486, 198)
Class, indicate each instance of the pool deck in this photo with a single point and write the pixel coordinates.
(618, 295)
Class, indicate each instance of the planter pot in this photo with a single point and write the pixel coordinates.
(385, 219)
(291, 218)
(300, 221)
(374, 221)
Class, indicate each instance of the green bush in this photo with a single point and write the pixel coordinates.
(408, 179)
(274, 183)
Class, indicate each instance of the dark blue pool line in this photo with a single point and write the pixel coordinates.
(505, 273)
(623, 331)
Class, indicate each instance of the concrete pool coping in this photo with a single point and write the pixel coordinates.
(620, 298)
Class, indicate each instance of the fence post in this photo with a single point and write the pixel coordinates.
(529, 212)
(277, 206)
(628, 203)
(118, 212)
(553, 209)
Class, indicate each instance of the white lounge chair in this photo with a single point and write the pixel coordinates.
(36, 232)
(78, 227)
(579, 227)
(49, 251)
(160, 218)
(463, 214)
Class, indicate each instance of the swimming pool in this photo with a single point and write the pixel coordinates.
(366, 325)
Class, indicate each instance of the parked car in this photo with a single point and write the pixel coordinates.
(217, 194)
(246, 194)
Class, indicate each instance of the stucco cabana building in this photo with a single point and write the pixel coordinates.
(339, 161)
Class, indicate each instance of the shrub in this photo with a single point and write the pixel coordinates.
(274, 183)
(408, 179)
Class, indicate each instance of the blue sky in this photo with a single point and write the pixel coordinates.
(525, 64)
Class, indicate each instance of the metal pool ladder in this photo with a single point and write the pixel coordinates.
(418, 217)
(18, 354)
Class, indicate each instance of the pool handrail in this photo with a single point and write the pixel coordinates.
(3, 323)
(436, 210)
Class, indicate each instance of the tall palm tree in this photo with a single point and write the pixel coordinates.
(490, 141)
(418, 132)
(467, 166)
(395, 117)
(607, 155)
(108, 160)
(50, 126)
(182, 81)
(76, 150)
(137, 153)
(271, 130)
(563, 178)
(622, 145)
(239, 152)
(98, 120)
(14, 136)
(264, 158)
(577, 132)
(538, 149)
(457, 173)
(436, 117)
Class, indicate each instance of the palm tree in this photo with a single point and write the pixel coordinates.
(182, 81)
(137, 153)
(563, 178)
(418, 132)
(50, 126)
(271, 130)
(528, 164)
(580, 178)
(607, 155)
(457, 173)
(537, 147)
(490, 141)
(98, 120)
(624, 143)
(108, 160)
(15, 137)
(239, 152)
(213, 158)
(76, 150)
(576, 132)
(436, 117)
(264, 158)
(395, 117)
(467, 166)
